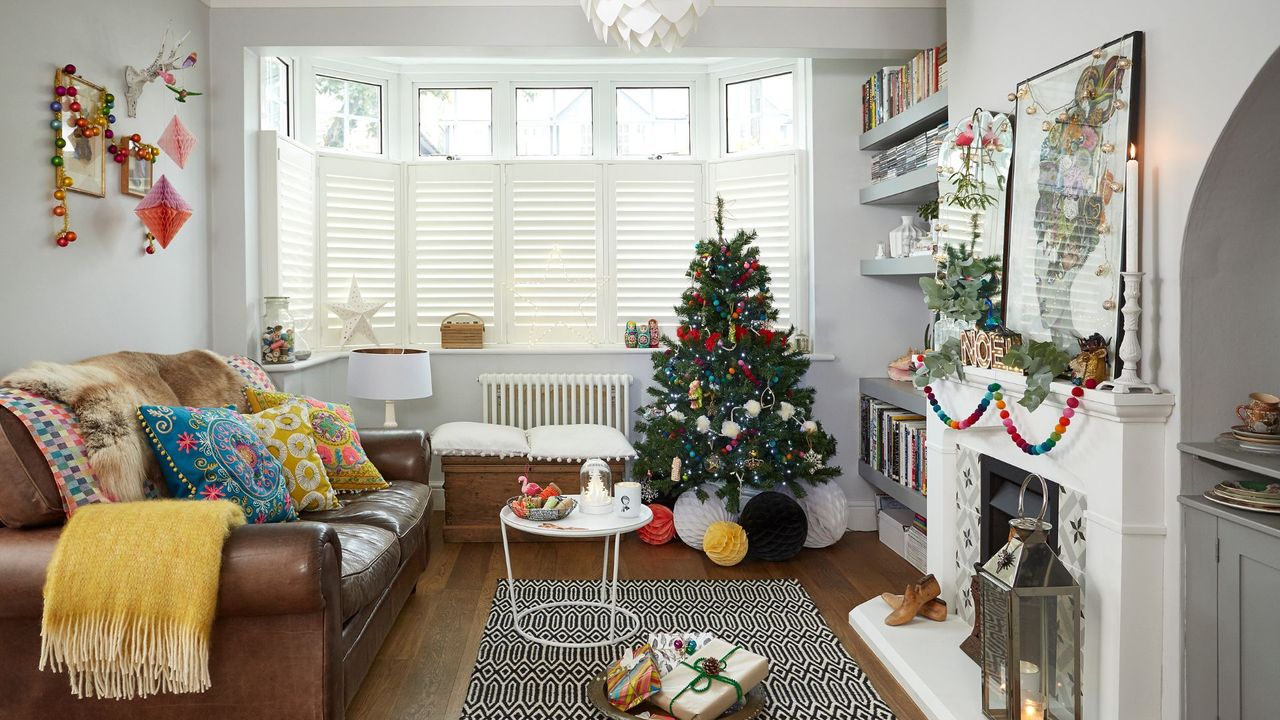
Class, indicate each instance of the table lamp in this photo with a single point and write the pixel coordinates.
(389, 374)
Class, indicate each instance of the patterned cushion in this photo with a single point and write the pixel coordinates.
(251, 371)
(337, 439)
(213, 453)
(286, 431)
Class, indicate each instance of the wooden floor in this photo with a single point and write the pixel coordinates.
(423, 668)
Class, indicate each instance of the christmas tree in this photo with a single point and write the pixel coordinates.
(727, 406)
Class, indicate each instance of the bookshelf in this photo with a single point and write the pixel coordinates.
(903, 394)
(913, 265)
(915, 120)
(914, 501)
(914, 188)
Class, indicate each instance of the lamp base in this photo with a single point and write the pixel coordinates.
(389, 420)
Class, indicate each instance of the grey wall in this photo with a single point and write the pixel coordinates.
(102, 293)
(1200, 58)
(866, 322)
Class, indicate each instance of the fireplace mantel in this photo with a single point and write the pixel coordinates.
(1113, 453)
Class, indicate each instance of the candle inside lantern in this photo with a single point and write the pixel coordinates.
(1032, 710)
(1132, 236)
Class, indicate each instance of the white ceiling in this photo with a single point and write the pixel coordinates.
(554, 3)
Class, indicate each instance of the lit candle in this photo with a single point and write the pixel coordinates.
(1132, 236)
(1032, 710)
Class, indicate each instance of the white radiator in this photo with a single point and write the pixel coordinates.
(528, 400)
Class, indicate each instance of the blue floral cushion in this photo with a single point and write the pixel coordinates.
(213, 454)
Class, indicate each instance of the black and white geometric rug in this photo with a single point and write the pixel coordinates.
(811, 677)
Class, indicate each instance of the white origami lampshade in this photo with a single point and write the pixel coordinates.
(636, 24)
(693, 517)
(389, 374)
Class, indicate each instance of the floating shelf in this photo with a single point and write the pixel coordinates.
(915, 120)
(914, 265)
(913, 188)
(903, 394)
(914, 501)
(1254, 462)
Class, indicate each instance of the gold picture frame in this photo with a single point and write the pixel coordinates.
(136, 175)
(84, 159)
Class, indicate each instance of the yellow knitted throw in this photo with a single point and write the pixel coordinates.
(130, 596)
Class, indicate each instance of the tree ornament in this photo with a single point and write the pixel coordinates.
(809, 427)
(730, 429)
(676, 415)
(675, 466)
(753, 407)
(703, 424)
(692, 516)
(725, 543)
(695, 394)
(786, 410)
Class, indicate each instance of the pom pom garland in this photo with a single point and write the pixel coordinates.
(725, 543)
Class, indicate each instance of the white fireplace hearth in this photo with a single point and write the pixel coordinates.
(1110, 470)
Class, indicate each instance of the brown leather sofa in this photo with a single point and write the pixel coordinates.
(303, 607)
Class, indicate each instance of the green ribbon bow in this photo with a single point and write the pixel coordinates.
(702, 681)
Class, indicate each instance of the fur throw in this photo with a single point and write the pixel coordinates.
(105, 391)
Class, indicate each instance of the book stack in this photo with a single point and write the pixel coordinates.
(920, 151)
(894, 89)
(893, 443)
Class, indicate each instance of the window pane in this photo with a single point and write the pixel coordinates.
(553, 121)
(653, 121)
(348, 115)
(275, 95)
(758, 114)
(455, 122)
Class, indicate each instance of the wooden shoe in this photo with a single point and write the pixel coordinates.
(914, 597)
(935, 609)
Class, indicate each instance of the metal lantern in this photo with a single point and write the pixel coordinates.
(1030, 625)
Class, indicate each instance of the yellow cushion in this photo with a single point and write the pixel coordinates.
(334, 428)
(286, 431)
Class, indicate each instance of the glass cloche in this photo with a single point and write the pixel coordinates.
(595, 494)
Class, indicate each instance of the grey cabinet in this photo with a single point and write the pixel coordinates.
(1231, 594)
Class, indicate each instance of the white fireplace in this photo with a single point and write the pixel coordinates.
(1110, 471)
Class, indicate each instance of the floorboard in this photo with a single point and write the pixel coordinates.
(422, 671)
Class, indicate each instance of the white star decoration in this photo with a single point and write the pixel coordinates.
(356, 313)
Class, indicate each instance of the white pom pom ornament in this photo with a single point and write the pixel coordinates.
(703, 423)
(676, 415)
(786, 410)
(693, 517)
(730, 429)
(753, 407)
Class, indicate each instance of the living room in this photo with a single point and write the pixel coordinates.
(846, 325)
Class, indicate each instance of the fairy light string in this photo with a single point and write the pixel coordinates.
(995, 394)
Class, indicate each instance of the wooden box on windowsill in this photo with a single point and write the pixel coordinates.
(476, 488)
(462, 331)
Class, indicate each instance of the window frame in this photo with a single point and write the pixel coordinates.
(415, 88)
(799, 119)
(290, 105)
(385, 111)
(593, 88)
(689, 88)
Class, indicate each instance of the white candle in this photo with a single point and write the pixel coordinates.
(1132, 233)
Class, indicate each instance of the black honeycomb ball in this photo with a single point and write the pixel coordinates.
(776, 526)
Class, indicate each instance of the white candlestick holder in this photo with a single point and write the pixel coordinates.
(1130, 351)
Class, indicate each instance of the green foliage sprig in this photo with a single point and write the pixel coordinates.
(941, 363)
(1041, 361)
(964, 285)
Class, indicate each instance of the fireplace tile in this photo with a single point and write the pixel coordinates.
(1073, 533)
(968, 479)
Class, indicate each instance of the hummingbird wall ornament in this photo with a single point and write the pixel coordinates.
(165, 63)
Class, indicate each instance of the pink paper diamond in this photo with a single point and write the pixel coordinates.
(163, 211)
(178, 141)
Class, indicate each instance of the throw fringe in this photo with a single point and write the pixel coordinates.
(122, 656)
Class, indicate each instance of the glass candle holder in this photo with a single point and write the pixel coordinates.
(278, 332)
(595, 481)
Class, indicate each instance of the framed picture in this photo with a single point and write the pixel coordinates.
(135, 175)
(1066, 221)
(84, 157)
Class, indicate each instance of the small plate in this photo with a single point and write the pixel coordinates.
(1244, 433)
(1240, 504)
(1231, 441)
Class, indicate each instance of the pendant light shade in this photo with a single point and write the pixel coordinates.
(638, 24)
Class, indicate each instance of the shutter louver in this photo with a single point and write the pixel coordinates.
(656, 217)
(556, 228)
(289, 200)
(359, 201)
(760, 195)
(452, 228)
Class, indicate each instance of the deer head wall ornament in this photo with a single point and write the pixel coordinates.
(162, 67)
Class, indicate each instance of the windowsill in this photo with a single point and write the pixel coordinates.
(322, 358)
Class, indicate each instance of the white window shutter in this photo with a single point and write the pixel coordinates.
(359, 201)
(452, 229)
(760, 194)
(557, 280)
(656, 213)
(289, 227)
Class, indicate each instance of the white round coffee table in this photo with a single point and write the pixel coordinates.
(578, 525)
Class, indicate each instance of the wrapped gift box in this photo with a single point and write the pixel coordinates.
(633, 678)
(689, 693)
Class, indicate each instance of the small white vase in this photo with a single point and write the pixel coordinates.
(903, 239)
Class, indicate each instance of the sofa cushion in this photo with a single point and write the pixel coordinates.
(337, 439)
(398, 509)
(286, 431)
(370, 558)
(578, 442)
(473, 438)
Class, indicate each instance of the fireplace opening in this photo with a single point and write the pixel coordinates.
(1001, 483)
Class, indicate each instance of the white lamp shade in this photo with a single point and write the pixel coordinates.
(389, 373)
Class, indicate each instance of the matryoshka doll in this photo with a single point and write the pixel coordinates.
(632, 337)
(654, 333)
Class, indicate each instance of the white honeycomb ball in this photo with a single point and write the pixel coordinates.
(693, 517)
(827, 511)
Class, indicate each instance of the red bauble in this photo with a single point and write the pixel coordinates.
(62, 241)
(661, 528)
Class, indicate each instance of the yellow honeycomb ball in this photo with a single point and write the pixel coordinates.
(725, 543)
